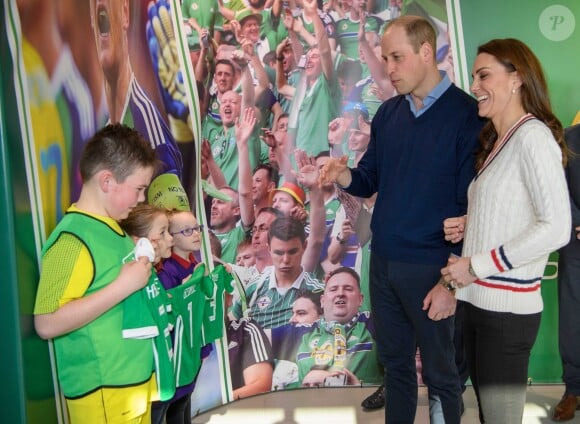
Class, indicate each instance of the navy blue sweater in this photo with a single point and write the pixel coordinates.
(421, 168)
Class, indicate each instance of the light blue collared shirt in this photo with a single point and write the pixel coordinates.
(432, 97)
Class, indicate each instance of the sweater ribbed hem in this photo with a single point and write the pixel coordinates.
(514, 298)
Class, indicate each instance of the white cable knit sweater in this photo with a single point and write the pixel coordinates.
(518, 212)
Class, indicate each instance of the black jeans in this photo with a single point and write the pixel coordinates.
(498, 346)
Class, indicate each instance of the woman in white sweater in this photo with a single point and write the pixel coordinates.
(518, 212)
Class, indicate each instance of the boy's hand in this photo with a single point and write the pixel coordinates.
(143, 247)
(134, 275)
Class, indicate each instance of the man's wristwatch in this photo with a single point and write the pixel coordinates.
(340, 239)
(447, 285)
(470, 270)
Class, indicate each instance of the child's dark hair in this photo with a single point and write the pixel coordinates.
(119, 149)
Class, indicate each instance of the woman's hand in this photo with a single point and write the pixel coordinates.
(454, 228)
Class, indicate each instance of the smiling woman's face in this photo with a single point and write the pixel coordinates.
(494, 87)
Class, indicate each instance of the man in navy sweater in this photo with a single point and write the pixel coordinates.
(569, 291)
(420, 160)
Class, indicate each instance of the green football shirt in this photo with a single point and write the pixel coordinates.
(156, 323)
(269, 306)
(213, 320)
(188, 303)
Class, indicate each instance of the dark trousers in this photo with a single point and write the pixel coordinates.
(569, 314)
(179, 412)
(158, 411)
(498, 346)
(172, 412)
(460, 359)
(397, 292)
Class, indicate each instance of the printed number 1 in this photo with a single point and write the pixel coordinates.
(190, 309)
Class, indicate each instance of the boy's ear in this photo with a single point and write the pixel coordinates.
(105, 179)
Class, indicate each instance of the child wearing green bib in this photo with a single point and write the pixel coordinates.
(85, 281)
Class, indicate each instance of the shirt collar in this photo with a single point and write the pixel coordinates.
(295, 285)
(432, 97)
(183, 262)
